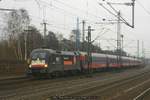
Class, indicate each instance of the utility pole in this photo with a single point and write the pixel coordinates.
(45, 28)
(77, 36)
(121, 44)
(119, 40)
(45, 31)
(120, 18)
(83, 34)
(143, 53)
(25, 43)
(89, 48)
(138, 49)
(89, 54)
(133, 10)
(25, 46)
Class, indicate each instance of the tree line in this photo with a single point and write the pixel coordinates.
(20, 35)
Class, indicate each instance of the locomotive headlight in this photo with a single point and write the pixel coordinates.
(30, 66)
(46, 65)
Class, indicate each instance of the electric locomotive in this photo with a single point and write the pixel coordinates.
(50, 62)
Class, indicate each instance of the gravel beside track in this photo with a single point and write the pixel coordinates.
(125, 89)
(32, 89)
(112, 90)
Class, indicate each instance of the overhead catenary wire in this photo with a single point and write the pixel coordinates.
(114, 14)
(127, 45)
(56, 26)
(117, 12)
(61, 9)
(75, 8)
(38, 3)
(111, 44)
(100, 36)
(72, 14)
(107, 9)
(97, 37)
(148, 12)
(52, 25)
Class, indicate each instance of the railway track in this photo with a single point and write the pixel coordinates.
(42, 89)
(26, 81)
(113, 90)
(29, 85)
(14, 80)
(101, 88)
(142, 95)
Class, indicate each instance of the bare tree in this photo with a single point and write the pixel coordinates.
(17, 21)
(34, 40)
(52, 41)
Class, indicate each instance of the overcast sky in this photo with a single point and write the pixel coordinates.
(61, 16)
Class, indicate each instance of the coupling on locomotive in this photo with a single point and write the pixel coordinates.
(49, 62)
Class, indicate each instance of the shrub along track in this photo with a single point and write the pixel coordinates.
(41, 89)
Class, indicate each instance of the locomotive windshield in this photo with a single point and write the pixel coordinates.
(38, 60)
(38, 55)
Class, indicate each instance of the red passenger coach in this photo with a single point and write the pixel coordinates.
(98, 61)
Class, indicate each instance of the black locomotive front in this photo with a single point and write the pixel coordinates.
(44, 62)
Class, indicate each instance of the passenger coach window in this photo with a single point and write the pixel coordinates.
(68, 60)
